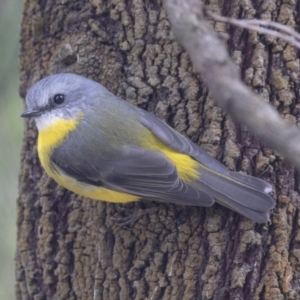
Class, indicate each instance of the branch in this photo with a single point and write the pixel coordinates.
(288, 34)
(210, 57)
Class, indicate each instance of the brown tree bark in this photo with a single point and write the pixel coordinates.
(69, 248)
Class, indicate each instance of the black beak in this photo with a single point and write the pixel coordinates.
(30, 113)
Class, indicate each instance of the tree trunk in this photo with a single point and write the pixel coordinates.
(68, 246)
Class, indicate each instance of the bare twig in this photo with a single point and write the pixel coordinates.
(287, 34)
(210, 57)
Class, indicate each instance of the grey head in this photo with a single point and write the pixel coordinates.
(63, 95)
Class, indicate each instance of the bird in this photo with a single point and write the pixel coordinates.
(100, 146)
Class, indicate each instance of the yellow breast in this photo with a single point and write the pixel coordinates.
(51, 137)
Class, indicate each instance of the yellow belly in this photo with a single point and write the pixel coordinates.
(90, 191)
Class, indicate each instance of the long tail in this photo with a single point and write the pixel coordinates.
(242, 193)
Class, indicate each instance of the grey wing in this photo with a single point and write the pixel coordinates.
(179, 143)
(145, 173)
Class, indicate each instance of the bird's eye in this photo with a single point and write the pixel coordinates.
(58, 99)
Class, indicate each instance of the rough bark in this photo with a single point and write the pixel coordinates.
(68, 247)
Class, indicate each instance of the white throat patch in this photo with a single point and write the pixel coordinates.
(46, 120)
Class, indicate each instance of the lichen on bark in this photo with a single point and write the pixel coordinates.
(68, 247)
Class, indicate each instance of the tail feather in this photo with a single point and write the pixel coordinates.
(244, 194)
(254, 182)
(254, 215)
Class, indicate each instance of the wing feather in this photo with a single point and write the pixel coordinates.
(145, 173)
(179, 143)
